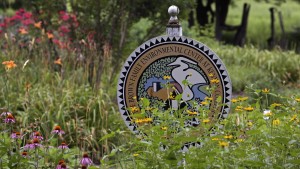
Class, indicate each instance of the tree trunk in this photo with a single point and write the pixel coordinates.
(240, 36)
(271, 40)
(221, 15)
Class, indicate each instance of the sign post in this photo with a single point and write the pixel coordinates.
(188, 65)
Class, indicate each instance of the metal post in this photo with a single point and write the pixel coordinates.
(173, 27)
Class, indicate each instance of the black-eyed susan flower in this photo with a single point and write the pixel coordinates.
(205, 120)
(223, 144)
(294, 117)
(249, 108)
(276, 105)
(276, 122)
(265, 90)
(234, 100)
(228, 136)
(164, 128)
(243, 98)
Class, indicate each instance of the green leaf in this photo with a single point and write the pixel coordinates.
(112, 134)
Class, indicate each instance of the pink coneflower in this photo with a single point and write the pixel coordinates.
(9, 119)
(5, 114)
(35, 143)
(86, 160)
(25, 154)
(57, 130)
(37, 135)
(28, 145)
(15, 135)
(59, 166)
(63, 166)
(63, 145)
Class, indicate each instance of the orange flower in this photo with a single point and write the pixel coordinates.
(38, 25)
(58, 61)
(23, 31)
(50, 35)
(9, 64)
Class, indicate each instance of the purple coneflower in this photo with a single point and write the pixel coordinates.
(28, 145)
(35, 143)
(5, 114)
(86, 160)
(37, 135)
(15, 135)
(9, 119)
(25, 154)
(63, 145)
(57, 130)
(60, 163)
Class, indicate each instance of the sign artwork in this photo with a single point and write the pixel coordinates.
(187, 65)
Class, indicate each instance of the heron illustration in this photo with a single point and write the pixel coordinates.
(182, 72)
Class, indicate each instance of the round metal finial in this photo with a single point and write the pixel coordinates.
(173, 12)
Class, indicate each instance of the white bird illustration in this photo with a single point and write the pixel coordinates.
(183, 72)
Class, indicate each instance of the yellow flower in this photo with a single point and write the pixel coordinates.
(297, 99)
(164, 128)
(276, 105)
(210, 75)
(215, 139)
(228, 136)
(234, 100)
(206, 121)
(134, 109)
(167, 77)
(249, 123)
(58, 61)
(208, 98)
(243, 98)
(9, 64)
(239, 140)
(135, 155)
(265, 90)
(249, 108)
(134, 97)
(276, 122)
(191, 112)
(294, 117)
(215, 81)
(239, 108)
(223, 144)
(204, 103)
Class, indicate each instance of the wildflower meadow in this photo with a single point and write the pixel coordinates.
(59, 108)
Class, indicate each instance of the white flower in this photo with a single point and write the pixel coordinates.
(267, 114)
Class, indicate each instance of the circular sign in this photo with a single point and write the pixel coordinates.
(187, 65)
